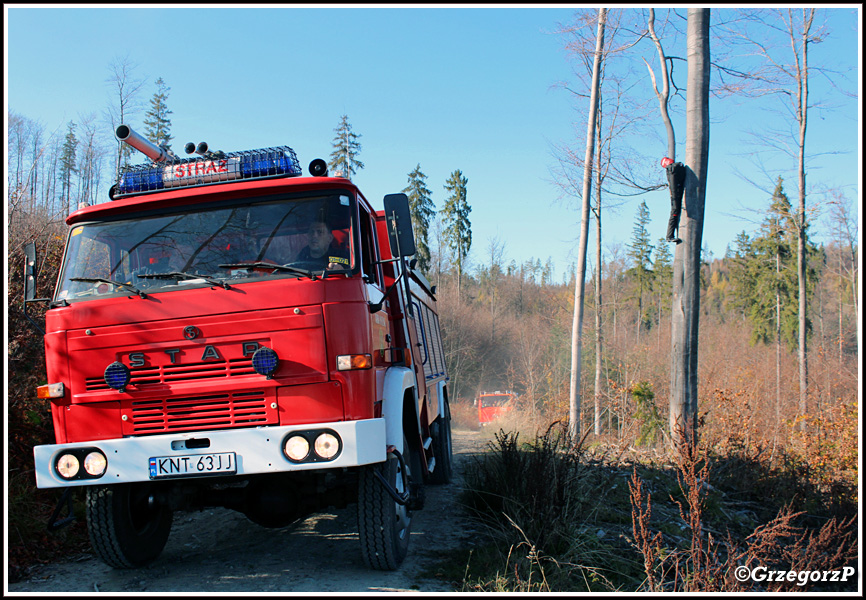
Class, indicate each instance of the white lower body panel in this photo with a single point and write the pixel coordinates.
(258, 451)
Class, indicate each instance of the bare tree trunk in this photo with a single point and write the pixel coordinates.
(614, 313)
(580, 279)
(598, 265)
(823, 354)
(802, 108)
(841, 332)
(854, 288)
(686, 285)
(778, 353)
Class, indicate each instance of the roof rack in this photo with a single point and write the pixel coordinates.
(170, 172)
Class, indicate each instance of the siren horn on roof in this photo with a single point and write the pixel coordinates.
(124, 133)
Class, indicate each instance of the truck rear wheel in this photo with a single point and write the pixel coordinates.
(126, 528)
(444, 469)
(383, 523)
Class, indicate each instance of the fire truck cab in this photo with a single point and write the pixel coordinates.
(229, 332)
(492, 405)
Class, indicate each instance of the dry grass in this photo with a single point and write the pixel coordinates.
(709, 564)
(627, 519)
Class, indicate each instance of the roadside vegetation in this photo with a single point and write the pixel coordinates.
(564, 517)
(28, 419)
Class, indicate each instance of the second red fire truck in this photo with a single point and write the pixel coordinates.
(227, 331)
(492, 405)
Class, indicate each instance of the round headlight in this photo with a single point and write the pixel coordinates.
(265, 361)
(67, 466)
(327, 445)
(95, 464)
(117, 376)
(297, 448)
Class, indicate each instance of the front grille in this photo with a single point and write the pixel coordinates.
(213, 411)
(144, 376)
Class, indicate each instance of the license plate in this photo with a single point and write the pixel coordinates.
(192, 465)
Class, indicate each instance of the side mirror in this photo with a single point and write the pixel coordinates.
(29, 271)
(399, 219)
(30, 283)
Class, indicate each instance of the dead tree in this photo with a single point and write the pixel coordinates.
(686, 284)
(580, 279)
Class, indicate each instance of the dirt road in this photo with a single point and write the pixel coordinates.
(218, 550)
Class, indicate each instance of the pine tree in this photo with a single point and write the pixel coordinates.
(764, 274)
(344, 158)
(740, 258)
(640, 252)
(156, 122)
(775, 283)
(764, 282)
(68, 165)
(455, 218)
(663, 272)
(422, 209)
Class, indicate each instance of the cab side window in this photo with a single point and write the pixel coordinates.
(369, 256)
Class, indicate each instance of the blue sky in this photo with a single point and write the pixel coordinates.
(444, 87)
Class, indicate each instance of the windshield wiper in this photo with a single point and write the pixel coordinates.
(110, 282)
(179, 274)
(264, 265)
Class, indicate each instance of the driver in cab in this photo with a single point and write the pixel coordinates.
(323, 249)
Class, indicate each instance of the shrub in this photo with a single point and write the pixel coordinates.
(649, 421)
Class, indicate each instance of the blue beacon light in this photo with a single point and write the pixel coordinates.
(117, 376)
(265, 362)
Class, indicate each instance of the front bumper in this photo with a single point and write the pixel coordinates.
(258, 451)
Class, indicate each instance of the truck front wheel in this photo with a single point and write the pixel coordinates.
(127, 528)
(383, 523)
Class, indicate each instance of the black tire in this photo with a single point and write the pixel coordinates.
(126, 529)
(443, 472)
(383, 523)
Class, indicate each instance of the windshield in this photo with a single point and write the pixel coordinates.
(494, 400)
(292, 237)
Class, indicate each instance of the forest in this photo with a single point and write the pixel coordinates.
(508, 323)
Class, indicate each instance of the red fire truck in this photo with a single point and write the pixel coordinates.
(492, 405)
(229, 332)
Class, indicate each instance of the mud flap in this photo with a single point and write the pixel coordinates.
(413, 498)
(53, 523)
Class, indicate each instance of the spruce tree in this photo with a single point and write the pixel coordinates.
(775, 273)
(455, 218)
(740, 259)
(422, 209)
(156, 122)
(640, 253)
(663, 271)
(764, 274)
(764, 282)
(344, 158)
(68, 164)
